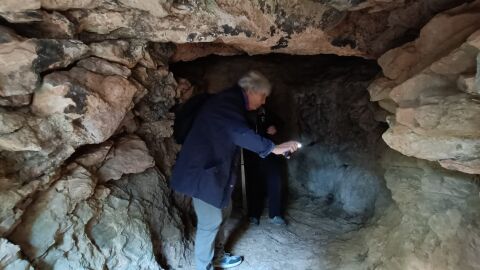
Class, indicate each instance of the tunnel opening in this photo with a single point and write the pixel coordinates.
(335, 183)
(324, 103)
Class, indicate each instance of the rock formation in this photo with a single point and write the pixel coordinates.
(86, 147)
(431, 86)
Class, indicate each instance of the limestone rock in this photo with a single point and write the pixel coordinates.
(15, 101)
(72, 108)
(15, 135)
(16, 6)
(467, 166)
(11, 122)
(8, 35)
(54, 54)
(161, 53)
(433, 90)
(127, 53)
(161, 95)
(129, 155)
(93, 157)
(22, 17)
(91, 98)
(433, 224)
(52, 25)
(70, 4)
(380, 89)
(457, 24)
(104, 67)
(129, 124)
(468, 84)
(38, 230)
(189, 52)
(22, 61)
(122, 235)
(457, 116)
(425, 146)
(255, 27)
(16, 69)
(162, 216)
(76, 224)
(162, 128)
(10, 258)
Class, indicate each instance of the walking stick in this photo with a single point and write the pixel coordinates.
(244, 187)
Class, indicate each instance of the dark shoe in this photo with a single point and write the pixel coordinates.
(278, 220)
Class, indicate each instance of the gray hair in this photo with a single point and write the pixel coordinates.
(256, 82)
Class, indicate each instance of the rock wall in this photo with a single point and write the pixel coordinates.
(78, 187)
(362, 28)
(431, 87)
(85, 127)
(433, 223)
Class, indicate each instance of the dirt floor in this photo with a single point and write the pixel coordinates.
(301, 245)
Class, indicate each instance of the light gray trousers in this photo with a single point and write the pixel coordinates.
(210, 234)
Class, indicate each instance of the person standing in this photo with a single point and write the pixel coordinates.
(264, 175)
(205, 167)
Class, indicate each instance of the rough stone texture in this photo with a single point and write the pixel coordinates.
(19, 5)
(127, 53)
(15, 101)
(433, 224)
(456, 25)
(23, 60)
(153, 110)
(72, 108)
(363, 28)
(104, 67)
(65, 134)
(30, 16)
(129, 155)
(433, 97)
(52, 25)
(91, 98)
(191, 51)
(172, 247)
(10, 258)
(76, 224)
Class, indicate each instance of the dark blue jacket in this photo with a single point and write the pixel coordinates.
(205, 166)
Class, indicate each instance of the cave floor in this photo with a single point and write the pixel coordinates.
(302, 244)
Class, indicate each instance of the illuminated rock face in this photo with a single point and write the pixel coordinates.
(433, 84)
(362, 28)
(86, 147)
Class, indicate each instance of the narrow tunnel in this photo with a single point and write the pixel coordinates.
(382, 95)
(334, 184)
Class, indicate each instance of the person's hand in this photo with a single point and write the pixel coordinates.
(290, 146)
(271, 130)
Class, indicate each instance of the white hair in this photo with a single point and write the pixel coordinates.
(256, 82)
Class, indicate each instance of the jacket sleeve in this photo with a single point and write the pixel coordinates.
(246, 138)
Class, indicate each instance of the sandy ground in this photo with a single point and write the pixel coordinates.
(301, 245)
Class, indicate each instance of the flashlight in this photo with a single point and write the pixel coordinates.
(288, 154)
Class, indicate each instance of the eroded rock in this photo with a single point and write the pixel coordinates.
(104, 67)
(10, 257)
(22, 61)
(129, 155)
(433, 225)
(127, 53)
(433, 96)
